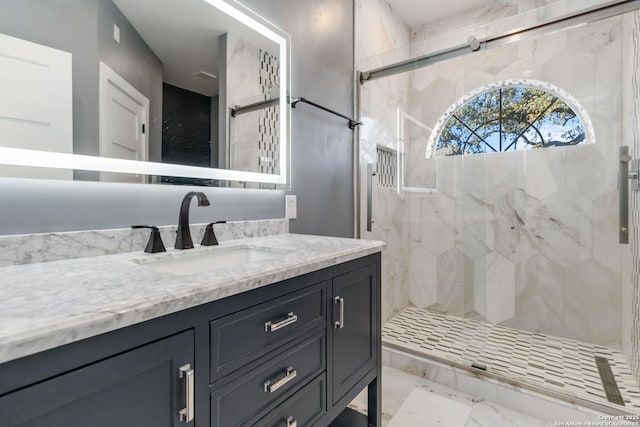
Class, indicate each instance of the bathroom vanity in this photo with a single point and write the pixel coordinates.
(285, 334)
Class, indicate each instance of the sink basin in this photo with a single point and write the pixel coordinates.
(204, 261)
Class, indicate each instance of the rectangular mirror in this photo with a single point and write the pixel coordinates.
(164, 91)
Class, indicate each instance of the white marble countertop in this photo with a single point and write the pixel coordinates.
(46, 305)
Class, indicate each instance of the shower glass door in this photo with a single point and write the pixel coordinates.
(496, 189)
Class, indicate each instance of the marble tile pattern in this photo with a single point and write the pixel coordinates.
(35, 248)
(390, 225)
(243, 80)
(479, 226)
(492, 18)
(634, 238)
(519, 404)
(557, 364)
(379, 30)
(429, 409)
(486, 223)
(405, 396)
(46, 305)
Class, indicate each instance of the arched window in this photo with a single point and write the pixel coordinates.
(511, 115)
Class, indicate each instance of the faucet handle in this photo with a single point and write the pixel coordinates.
(154, 244)
(209, 238)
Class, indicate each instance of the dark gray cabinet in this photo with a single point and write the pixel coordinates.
(291, 353)
(235, 404)
(141, 388)
(242, 337)
(354, 328)
(304, 408)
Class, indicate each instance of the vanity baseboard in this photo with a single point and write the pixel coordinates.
(339, 320)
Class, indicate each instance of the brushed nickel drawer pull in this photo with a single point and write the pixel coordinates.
(270, 326)
(270, 387)
(186, 414)
(291, 422)
(339, 324)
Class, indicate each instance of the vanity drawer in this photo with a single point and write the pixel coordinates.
(303, 409)
(276, 379)
(243, 337)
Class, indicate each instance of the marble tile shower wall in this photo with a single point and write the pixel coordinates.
(525, 239)
(378, 29)
(492, 18)
(244, 80)
(633, 101)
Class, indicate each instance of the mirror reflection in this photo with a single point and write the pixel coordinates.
(177, 82)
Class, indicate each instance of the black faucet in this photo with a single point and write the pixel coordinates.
(209, 238)
(154, 244)
(183, 238)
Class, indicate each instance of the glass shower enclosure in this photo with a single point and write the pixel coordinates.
(493, 173)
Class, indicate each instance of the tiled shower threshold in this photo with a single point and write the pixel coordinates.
(560, 368)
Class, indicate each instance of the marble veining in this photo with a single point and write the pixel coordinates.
(34, 248)
(493, 216)
(511, 398)
(631, 288)
(411, 400)
(380, 30)
(50, 304)
(429, 409)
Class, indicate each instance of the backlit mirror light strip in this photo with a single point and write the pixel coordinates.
(22, 157)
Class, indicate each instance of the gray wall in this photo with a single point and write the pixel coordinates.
(134, 60)
(321, 144)
(40, 206)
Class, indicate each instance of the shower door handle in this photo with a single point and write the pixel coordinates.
(634, 174)
(370, 174)
(629, 171)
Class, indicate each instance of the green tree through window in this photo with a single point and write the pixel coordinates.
(510, 119)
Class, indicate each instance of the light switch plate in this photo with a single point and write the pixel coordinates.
(291, 207)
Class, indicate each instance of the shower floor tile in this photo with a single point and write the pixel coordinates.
(557, 364)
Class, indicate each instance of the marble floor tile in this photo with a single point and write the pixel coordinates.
(424, 408)
(487, 414)
(412, 401)
(396, 387)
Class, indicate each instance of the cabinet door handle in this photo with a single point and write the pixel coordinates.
(339, 324)
(270, 387)
(291, 422)
(270, 326)
(186, 414)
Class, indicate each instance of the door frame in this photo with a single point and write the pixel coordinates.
(107, 75)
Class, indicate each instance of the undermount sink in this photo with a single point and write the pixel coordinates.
(203, 261)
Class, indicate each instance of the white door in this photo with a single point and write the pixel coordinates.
(36, 103)
(124, 114)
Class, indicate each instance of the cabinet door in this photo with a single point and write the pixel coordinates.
(140, 388)
(354, 328)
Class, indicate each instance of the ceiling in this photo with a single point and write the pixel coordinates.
(418, 12)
